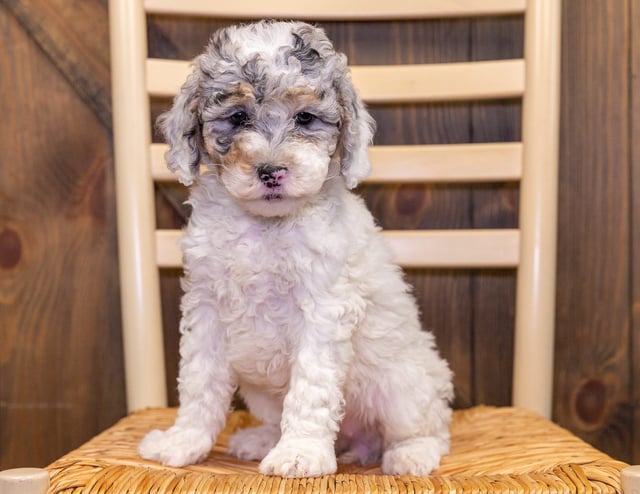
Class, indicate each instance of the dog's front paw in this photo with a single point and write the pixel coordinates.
(300, 458)
(419, 456)
(253, 443)
(175, 447)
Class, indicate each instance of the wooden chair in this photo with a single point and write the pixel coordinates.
(493, 449)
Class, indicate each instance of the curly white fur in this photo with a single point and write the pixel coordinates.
(291, 295)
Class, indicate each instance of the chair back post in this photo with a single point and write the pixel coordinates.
(535, 293)
(139, 277)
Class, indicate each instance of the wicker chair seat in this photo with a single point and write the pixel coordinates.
(492, 450)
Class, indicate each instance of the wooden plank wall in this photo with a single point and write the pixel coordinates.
(634, 135)
(593, 382)
(61, 375)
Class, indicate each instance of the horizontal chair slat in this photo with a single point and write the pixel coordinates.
(390, 84)
(413, 249)
(483, 162)
(455, 248)
(439, 82)
(336, 9)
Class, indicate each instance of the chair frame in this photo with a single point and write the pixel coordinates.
(533, 162)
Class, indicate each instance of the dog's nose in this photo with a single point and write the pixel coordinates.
(271, 175)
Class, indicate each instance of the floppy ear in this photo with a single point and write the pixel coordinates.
(182, 130)
(315, 52)
(356, 132)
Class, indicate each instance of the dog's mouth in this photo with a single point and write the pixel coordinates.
(272, 196)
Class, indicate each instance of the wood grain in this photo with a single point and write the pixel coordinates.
(494, 205)
(634, 336)
(592, 383)
(75, 37)
(61, 376)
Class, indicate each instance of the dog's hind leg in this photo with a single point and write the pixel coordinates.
(358, 442)
(415, 441)
(253, 443)
(414, 418)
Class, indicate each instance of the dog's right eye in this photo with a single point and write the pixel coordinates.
(239, 118)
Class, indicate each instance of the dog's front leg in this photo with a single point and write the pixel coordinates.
(206, 385)
(313, 406)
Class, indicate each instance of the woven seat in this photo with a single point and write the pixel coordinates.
(506, 449)
(493, 450)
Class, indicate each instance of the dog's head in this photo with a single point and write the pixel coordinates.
(271, 108)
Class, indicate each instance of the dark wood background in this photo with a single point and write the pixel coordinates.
(61, 370)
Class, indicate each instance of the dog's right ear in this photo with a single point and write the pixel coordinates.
(182, 130)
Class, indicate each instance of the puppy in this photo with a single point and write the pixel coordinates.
(291, 295)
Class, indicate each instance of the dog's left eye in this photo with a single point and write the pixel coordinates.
(304, 118)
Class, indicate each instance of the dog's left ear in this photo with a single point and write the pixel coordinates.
(356, 133)
(317, 55)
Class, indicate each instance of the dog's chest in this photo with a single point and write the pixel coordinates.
(260, 300)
